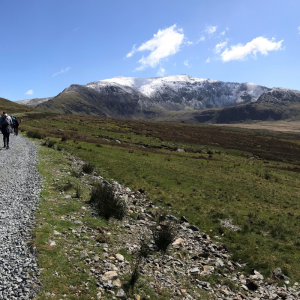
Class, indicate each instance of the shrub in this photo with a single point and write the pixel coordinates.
(64, 138)
(44, 143)
(106, 203)
(35, 135)
(88, 168)
(59, 147)
(164, 235)
(50, 144)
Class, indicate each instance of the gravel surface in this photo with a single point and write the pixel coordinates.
(19, 196)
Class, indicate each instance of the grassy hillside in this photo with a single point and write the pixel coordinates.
(13, 108)
(251, 178)
(87, 101)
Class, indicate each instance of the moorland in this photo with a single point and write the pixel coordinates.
(250, 177)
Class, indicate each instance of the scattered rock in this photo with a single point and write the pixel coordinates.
(110, 275)
(184, 219)
(178, 241)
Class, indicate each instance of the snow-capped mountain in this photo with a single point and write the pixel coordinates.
(183, 92)
(175, 98)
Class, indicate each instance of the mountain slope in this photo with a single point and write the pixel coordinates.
(11, 107)
(276, 104)
(126, 97)
(111, 100)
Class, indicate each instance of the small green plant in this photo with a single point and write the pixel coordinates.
(64, 138)
(75, 173)
(78, 190)
(135, 275)
(67, 186)
(88, 168)
(59, 147)
(103, 238)
(106, 202)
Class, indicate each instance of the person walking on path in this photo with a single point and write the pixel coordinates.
(16, 126)
(13, 122)
(6, 128)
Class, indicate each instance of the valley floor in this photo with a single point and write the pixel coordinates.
(281, 126)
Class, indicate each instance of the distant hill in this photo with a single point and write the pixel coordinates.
(33, 102)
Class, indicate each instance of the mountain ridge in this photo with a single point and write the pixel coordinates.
(176, 98)
(129, 97)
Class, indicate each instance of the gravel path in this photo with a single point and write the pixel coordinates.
(19, 197)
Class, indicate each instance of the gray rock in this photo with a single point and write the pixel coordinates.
(194, 228)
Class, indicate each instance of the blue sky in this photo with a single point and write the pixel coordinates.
(47, 45)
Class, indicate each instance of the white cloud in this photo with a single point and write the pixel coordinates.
(259, 44)
(30, 92)
(163, 44)
(132, 51)
(189, 43)
(161, 72)
(61, 71)
(223, 32)
(202, 39)
(208, 60)
(220, 46)
(186, 63)
(210, 29)
(299, 29)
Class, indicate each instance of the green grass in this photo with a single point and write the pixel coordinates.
(53, 207)
(258, 196)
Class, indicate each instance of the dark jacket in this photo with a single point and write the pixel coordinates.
(6, 129)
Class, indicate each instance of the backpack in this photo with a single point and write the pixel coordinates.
(5, 122)
(16, 122)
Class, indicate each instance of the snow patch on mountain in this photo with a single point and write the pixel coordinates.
(183, 92)
(149, 86)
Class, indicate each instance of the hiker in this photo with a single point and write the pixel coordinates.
(12, 121)
(6, 124)
(16, 126)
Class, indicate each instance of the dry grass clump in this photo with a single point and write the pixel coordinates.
(107, 203)
(164, 234)
(88, 168)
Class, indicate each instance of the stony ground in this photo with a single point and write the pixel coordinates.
(19, 195)
(196, 266)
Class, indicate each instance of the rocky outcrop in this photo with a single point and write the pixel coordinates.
(279, 96)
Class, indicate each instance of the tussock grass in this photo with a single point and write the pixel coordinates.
(107, 204)
(88, 168)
